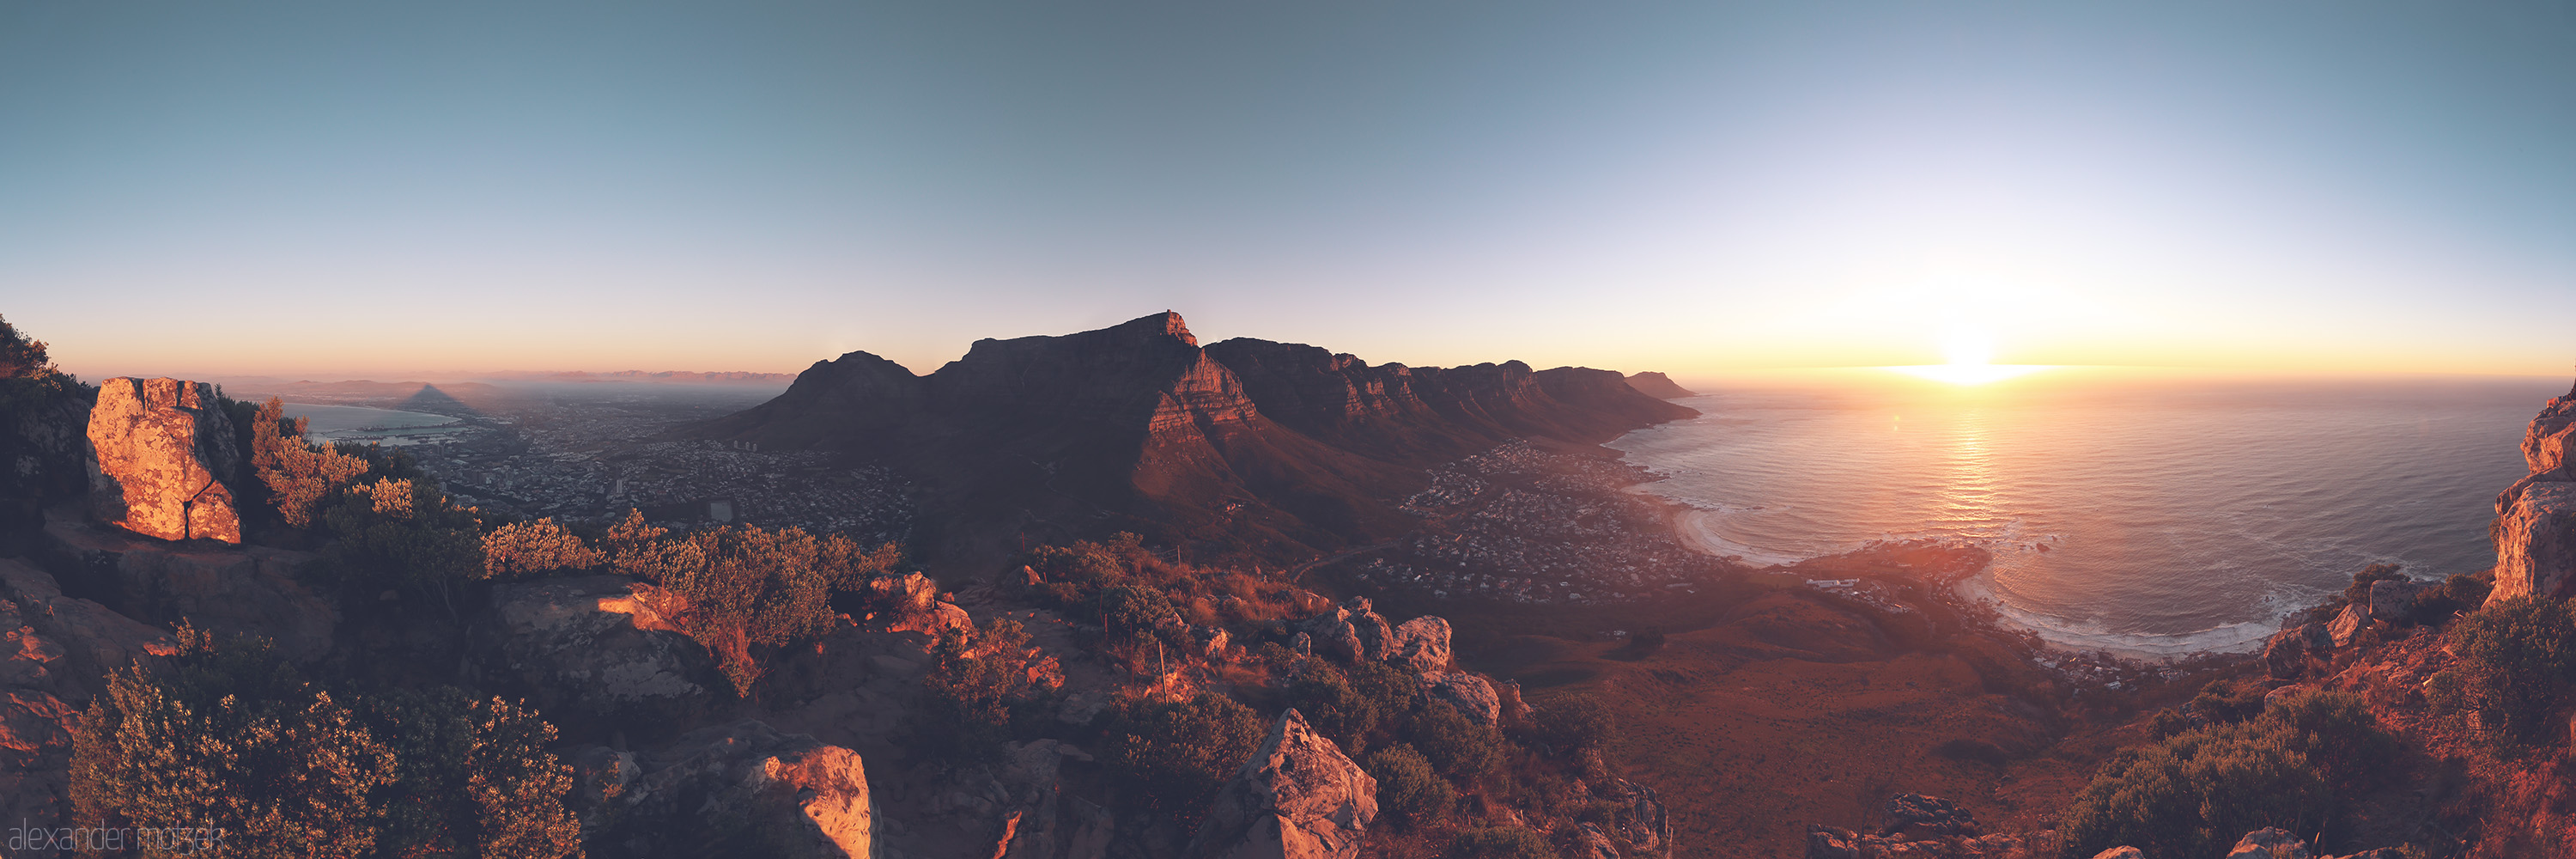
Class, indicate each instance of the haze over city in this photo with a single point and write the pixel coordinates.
(338, 191)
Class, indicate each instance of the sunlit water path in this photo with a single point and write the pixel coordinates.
(2139, 513)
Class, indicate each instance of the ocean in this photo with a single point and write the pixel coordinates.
(328, 424)
(2142, 512)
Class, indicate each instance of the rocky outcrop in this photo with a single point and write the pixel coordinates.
(1658, 386)
(164, 449)
(1298, 797)
(1924, 827)
(227, 590)
(2270, 844)
(2348, 625)
(1422, 645)
(2393, 600)
(596, 648)
(1350, 632)
(56, 657)
(1473, 695)
(2535, 530)
(1246, 441)
(737, 789)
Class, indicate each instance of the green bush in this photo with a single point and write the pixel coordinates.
(1324, 696)
(1500, 842)
(1456, 745)
(1407, 789)
(1179, 753)
(2517, 657)
(2194, 793)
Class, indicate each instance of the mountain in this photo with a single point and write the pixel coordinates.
(1246, 446)
(1658, 386)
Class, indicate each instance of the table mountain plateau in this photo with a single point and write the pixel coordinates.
(1245, 446)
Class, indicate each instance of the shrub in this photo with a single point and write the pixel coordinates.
(2229, 700)
(740, 591)
(232, 738)
(980, 681)
(1407, 789)
(528, 549)
(1500, 842)
(1179, 753)
(1574, 723)
(1456, 745)
(1325, 697)
(2517, 657)
(2461, 592)
(298, 474)
(471, 777)
(2193, 793)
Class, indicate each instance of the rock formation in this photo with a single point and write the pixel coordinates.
(1422, 644)
(597, 648)
(2535, 532)
(164, 448)
(737, 789)
(1298, 797)
(1246, 442)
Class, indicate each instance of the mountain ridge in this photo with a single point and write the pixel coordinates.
(1245, 446)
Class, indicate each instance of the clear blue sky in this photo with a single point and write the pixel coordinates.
(369, 188)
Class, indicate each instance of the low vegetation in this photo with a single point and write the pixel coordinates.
(2194, 793)
(229, 741)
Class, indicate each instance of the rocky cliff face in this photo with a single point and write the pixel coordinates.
(2535, 533)
(1248, 442)
(164, 449)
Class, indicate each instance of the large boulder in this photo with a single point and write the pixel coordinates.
(2285, 656)
(1298, 797)
(597, 649)
(737, 789)
(227, 590)
(164, 449)
(2348, 624)
(1422, 645)
(2393, 600)
(1350, 632)
(1471, 694)
(1648, 826)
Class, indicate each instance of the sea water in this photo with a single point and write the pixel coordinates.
(2147, 513)
(327, 424)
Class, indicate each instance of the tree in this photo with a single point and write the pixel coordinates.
(740, 591)
(298, 474)
(20, 356)
(526, 549)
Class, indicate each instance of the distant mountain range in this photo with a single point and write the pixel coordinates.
(1246, 447)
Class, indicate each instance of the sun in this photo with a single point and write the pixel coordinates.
(1970, 351)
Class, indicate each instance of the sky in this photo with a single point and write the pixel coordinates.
(373, 189)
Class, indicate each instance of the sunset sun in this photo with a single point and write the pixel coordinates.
(1970, 354)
